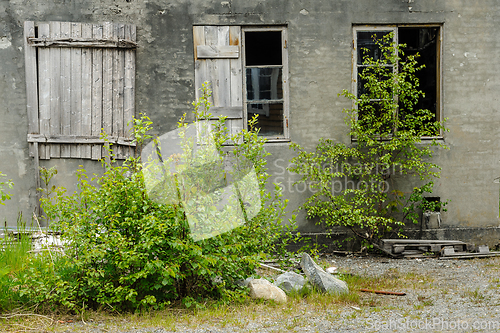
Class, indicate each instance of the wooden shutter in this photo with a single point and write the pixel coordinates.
(80, 80)
(217, 52)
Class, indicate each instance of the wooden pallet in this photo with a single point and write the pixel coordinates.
(445, 249)
(399, 248)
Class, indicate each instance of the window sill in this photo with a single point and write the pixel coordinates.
(424, 139)
(273, 141)
(276, 140)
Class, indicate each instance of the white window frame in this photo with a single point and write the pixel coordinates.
(284, 61)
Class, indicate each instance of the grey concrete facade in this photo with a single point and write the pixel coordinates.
(319, 60)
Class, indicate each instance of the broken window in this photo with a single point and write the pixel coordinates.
(424, 40)
(264, 80)
(80, 81)
(247, 70)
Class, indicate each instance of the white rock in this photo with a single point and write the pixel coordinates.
(261, 288)
(331, 270)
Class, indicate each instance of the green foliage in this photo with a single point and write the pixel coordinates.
(4, 183)
(125, 251)
(13, 258)
(386, 127)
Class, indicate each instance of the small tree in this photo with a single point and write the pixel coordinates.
(386, 127)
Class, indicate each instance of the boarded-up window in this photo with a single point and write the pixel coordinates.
(218, 61)
(248, 74)
(80, 80)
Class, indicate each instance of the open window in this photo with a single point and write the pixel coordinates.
(425, 40)
(248, 74)
(265, 80)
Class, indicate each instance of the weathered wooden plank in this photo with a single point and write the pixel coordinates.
(470, 255)
(223, 69)
(218, 51)
(107, 89)
(81, 43)
(212, 73)
(236, 77)
(44, 65)
(212, 38)
(133, 37)
(129, 93)
(76, 89)
(418, 242)
(66, 89)
(55, 89)
(200, 70)
(30, 62)
(37, 178)
(118, 86)
(236, 72)
(79, 139)
(230, 112)
(97, 92)
(86, 112)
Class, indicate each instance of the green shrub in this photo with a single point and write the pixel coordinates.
(125, 251)
(387, 127)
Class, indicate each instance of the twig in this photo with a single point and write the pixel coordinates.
(83, 310)
(112, 308)
(271, 267)
(25, 314)
(383, 292)
(40, 228)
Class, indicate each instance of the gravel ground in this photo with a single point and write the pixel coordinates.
(446, 296)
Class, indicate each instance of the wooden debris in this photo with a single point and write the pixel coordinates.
(445, 249)
(382, 292)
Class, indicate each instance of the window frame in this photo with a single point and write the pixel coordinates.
(284, 60)
(394, 28)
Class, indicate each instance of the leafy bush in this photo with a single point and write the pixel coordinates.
(125, 251)
(387, 128)
(4, 195)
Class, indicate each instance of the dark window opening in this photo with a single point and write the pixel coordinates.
(264, 81)
(424, 41)
(263, 48)
(435, 202)
(367, 46)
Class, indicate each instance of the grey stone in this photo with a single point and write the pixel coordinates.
(290, 281)
(483, 249)
(261, 288)
(321, 279)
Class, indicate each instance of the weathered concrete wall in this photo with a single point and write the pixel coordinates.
(319, 41)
